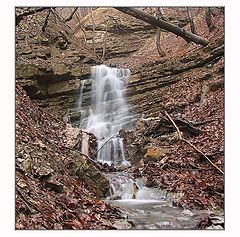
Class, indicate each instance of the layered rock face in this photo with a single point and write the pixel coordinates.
(50, 68)
(51, 65)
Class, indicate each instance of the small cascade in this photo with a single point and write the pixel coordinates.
(124, 187)
(108, 113)
(104, 112)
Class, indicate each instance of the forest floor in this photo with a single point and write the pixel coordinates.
(48, 194)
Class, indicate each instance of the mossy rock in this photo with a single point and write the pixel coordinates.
(60, 69)
(89, 173)
(155, 154)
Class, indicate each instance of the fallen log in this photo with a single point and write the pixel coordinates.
(188, 36)
(163, 126)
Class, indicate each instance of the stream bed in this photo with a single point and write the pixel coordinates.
(106, 114)
(152, 208)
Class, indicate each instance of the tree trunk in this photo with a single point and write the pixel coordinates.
(193, 30)
(159, 13)
(160, 52)
(209, 19)
(188, 36)
(93, 31)
(162, 14)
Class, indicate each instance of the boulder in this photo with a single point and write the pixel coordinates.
(89, 173)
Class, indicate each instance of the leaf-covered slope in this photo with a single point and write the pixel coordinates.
(48, 194)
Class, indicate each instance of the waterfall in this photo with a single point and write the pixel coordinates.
(108, 113)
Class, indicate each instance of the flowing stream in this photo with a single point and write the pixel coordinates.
(105, 116)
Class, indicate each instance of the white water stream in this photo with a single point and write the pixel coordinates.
(105, 116)
(108, 113)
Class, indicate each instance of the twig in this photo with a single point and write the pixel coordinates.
(190, 144)
(105, 143)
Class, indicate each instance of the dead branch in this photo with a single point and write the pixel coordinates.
(71, 38)
(56, 14)
(190, 144)
(105, 143)
(162, 14)
(27, 202)
(81, 28)
(160, 52)
(117, 24)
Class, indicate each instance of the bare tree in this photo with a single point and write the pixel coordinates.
(159, 13)
(104, 41)
(209, 21)
(162, 14)
(93, 31)
(190, 16)
(188, 36)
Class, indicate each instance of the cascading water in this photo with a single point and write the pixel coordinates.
(108, 113)
(105, 115)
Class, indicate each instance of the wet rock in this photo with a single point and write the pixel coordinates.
(187, 212)
(155, 154)
(74, 117)
(123, 224)
(217, 220)
(214, 227)
(88, 172)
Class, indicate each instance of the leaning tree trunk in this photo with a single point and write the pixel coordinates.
(93, 31)
(190, 16)
(188, 36)
(159, 13)
(209, 19)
